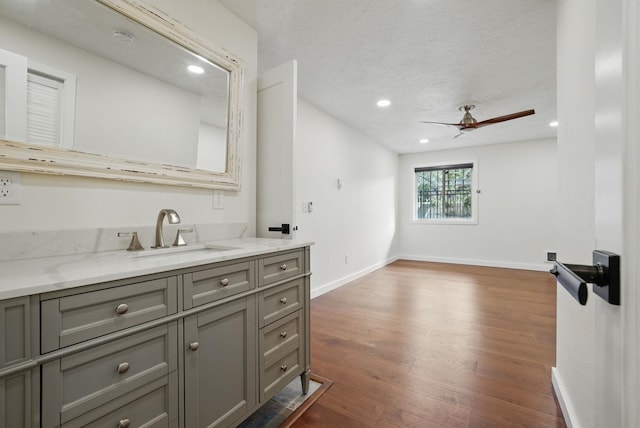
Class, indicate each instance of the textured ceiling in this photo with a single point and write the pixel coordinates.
(427, 56)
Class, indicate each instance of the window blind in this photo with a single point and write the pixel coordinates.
(43, 109)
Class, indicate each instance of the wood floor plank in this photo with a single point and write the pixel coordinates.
(436, 345)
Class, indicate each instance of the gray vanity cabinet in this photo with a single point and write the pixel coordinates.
(203, 346)
(220, 364)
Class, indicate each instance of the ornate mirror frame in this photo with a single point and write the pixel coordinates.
(25, 157)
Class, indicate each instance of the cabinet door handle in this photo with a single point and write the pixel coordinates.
(194, 346)
(283, 266)
(283, 334)
(283, 300)
(124, 423)
(123, 367)
(283, 367)
(122, 309)
(224, 282)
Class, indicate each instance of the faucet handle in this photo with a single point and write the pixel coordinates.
(134, 245)
(179, 241)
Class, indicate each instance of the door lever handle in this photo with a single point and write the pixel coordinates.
(284, 229)
(604, 275)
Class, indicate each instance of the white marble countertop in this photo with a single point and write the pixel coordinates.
(24, 277)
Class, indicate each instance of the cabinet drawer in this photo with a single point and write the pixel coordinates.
(152, 406)
(14, 331)
(279, 301)
(282, 266)
(78, 383)
(212, 284)
(80, 317)
(286, 333)
(17, 401)
(278, 371)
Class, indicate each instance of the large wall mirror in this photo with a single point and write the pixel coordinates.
(116, 89)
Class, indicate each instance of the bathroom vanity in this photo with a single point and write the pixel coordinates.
(193, 338)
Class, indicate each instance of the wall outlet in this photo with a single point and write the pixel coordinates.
(10, 188)
(551, 256)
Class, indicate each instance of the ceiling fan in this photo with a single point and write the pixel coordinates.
(469, 123)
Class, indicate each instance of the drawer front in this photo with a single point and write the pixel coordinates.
(73, 319)
(16, 403)
(86, 380)
(282, 266)
(285, 333)
(14, 331)
(212, 284)
(278, 372)
(152, 406)
(280, 301)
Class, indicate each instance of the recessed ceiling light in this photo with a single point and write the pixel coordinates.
(123, 36)
(424, 141)
(195, 69)
(553, 124)
(383, 103)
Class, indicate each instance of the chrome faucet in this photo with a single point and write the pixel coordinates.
(172, 217)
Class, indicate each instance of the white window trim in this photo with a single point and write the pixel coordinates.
(449, 221)
(68, 102)
(15, 95)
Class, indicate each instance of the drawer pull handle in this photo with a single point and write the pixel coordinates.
(283, 267)
(123, 368)
(194, 346)
(283, 367)
(283, 334)
(283, 300)
(122, 309)
(224, 282)
(124, 423)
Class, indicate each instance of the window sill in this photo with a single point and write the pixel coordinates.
(445, 222)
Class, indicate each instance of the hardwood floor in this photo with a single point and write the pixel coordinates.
(419, 344)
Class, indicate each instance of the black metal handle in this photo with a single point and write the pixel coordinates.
(571, 282)
(284, 229)
(604, 274)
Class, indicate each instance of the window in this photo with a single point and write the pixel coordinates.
(44, 105)
(37, 102)
(445, 193)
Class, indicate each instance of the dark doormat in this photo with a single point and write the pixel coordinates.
(288, 405)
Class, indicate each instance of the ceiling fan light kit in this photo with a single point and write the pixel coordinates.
(469, 123)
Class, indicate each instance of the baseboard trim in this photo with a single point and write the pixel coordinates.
(559, 389)
(475, 262)
(319, 291)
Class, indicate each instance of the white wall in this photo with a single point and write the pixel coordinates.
(358, 220)
(53, 202)
(516, 208)
(575, 348)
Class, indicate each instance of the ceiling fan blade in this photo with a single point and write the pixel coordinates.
(455, 125)
(505, 118)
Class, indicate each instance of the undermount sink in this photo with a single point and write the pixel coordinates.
(200, 248)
